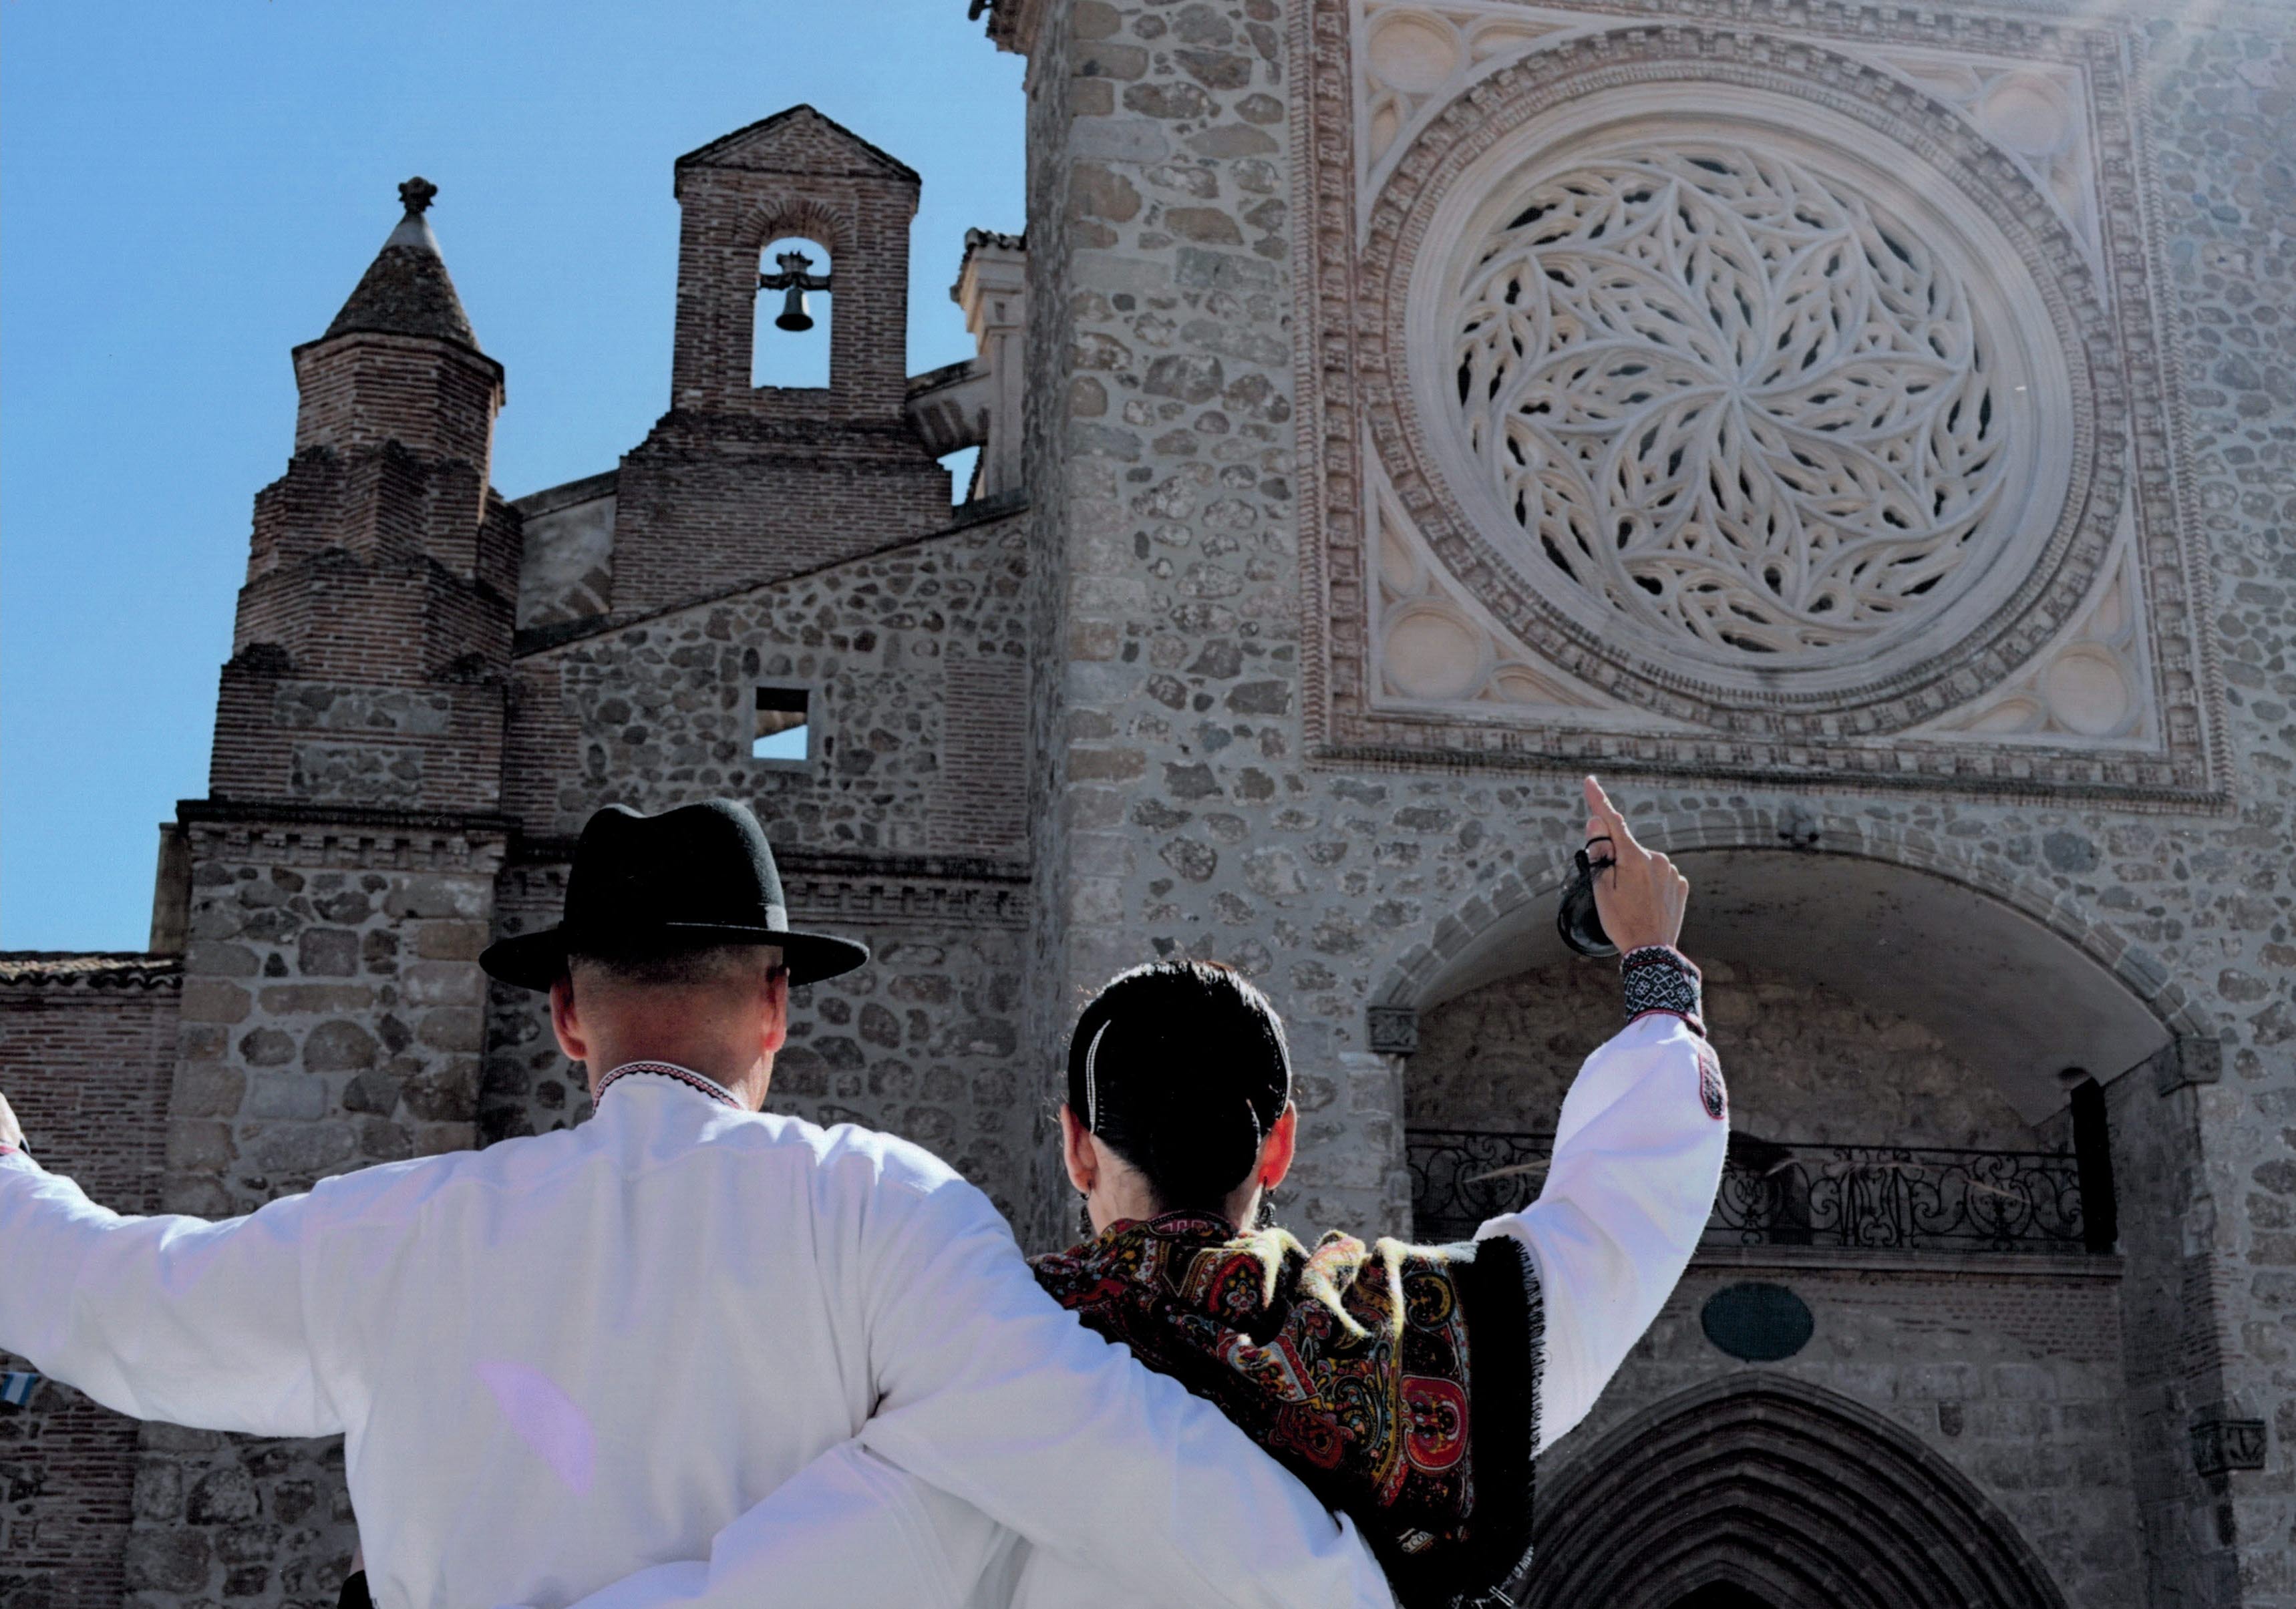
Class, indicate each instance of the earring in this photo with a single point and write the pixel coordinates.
(1084, 1216)
(1267, 1208)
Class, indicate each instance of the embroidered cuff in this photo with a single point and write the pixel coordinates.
(1659, 977)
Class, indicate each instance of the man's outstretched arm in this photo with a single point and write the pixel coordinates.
(166, 1317)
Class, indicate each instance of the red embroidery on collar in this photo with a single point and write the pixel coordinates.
(663, 1069)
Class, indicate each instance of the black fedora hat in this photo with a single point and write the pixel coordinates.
(700, 874)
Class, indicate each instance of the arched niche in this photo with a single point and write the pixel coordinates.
(2012, 997)
(1784, 1491)
(1809, 1063)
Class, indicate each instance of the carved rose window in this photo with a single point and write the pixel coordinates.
(1734, 400)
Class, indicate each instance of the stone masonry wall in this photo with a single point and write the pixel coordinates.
(1045, 461)
(332, 1018)
(1189, 820)
(906, 826)
(87, 1049)
(656, 713)
(331, 1009)
(1805, 1065)
(2225, 123)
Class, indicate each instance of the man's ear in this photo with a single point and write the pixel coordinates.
(565, 1021)
(1277, 1150)
(774, 1029)
(1076, 1151)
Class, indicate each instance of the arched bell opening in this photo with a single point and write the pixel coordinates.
(790, 339)
(1766, 1492)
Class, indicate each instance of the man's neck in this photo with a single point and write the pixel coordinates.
(747, 1085)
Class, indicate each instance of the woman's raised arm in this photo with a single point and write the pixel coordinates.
(1638, 1149)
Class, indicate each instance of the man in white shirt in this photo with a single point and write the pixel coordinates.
(569, 1357)
(1638, 1153)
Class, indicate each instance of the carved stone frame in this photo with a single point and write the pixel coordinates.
(1812, 49)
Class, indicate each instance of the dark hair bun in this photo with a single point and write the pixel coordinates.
(1181, 1067)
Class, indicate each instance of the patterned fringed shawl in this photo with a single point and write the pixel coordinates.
(1398, 1382)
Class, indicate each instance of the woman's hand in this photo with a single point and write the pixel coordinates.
(1641, 898)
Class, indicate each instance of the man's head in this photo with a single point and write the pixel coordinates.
(675, 946)
(720, 1009)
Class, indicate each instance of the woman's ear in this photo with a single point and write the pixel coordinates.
(1076, 1151)
(1276, 1151)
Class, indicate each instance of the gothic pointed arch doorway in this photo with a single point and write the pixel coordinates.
(1760, 1492)
(1722, 1594)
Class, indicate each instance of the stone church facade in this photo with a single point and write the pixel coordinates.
(1864, 434)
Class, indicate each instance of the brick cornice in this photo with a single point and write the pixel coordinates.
(89, 973)
(348, 836)
(829, 887)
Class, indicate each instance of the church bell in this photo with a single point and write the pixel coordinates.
(793, 281)
(793, 316)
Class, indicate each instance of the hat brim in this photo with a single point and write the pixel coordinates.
(536, 961)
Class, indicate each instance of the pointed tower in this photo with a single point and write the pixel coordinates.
(373, 633)
(332, 893)
(333, 889)
(740, 483)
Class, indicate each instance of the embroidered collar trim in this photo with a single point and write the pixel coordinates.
(665, 1069)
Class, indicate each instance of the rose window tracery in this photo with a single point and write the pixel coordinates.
(1734, 400)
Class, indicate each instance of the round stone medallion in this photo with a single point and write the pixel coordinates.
(1756, 1322)
(1736, 388)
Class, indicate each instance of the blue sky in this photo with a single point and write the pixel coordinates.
(188, 190)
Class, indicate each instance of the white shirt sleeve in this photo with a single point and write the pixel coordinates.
(996, 1394)
(166, 1317)
(1638, 1159)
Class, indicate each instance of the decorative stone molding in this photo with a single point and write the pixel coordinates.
(1412, 57)
(833, 889)
(314, 835)
(1576, 509)
(2188, 1059)
(2222, 1444)
(1436, 644)
(1394, 1030)
(2036, 111)
(2092, 685)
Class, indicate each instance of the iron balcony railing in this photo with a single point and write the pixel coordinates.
(1868, 1196)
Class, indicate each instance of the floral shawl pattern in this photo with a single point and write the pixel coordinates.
(1352, 1366)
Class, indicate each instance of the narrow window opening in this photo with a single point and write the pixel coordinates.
(963, 467)
(784, 730)
(789, 345)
